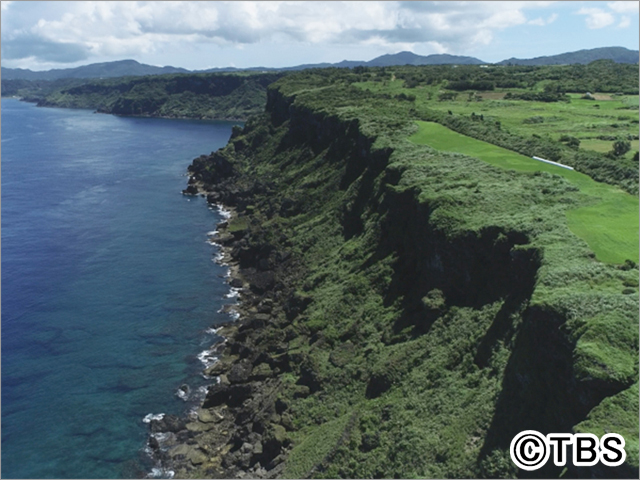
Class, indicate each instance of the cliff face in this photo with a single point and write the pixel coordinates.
(407, 312)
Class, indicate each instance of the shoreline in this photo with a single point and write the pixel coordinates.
(97, 110)
(202, 437)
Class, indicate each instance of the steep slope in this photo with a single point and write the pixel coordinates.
(407, 311)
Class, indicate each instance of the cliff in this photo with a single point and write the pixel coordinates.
(406, 312)
(206, 96)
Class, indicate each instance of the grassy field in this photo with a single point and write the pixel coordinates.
(609, 225)
(608, 116)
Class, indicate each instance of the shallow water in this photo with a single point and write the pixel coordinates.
(108, 285)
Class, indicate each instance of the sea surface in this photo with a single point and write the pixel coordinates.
(108, 285)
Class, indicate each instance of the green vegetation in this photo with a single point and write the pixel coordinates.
(610, 115)
(432, 305)
(439, 305)
(211, 96)
(609, 226)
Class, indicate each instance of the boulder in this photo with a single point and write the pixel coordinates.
(180, 449)
(231, 395)
(207, 416)
(262, 281)
(196, 456)
(169, 423)
(239, 372)
(261, 372)
(199, 426)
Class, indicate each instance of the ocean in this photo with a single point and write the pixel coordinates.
(108, 285)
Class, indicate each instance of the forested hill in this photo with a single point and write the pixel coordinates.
(118, 68)
(210, 96)
(616, 54)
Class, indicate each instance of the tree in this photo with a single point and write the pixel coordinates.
(620, 147)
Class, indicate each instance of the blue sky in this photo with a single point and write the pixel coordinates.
(199, 35)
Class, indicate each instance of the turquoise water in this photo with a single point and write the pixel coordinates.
(108, 285)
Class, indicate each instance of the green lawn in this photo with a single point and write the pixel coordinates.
(609, 226)
(584, 119)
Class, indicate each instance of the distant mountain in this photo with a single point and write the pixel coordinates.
(401, 58)
(617, 54)
(121, 68)
(409, 58)
(124, 68)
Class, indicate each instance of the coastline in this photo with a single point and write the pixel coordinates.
(98, 110)
(213, 439)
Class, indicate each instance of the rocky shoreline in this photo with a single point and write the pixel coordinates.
(241, 428)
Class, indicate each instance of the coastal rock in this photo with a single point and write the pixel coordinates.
(262, 281)
(209, 416)
(183, 392)
(196, 456)
(264, 308)
(190, 190)
(261, 372)
(169, 423)
(231, 395)
(239, 372)
(180, 449)
(199, 426)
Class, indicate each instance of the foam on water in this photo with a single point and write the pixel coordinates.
(233, 292)
(224, 213)
(159, 472)
(208, 358)
(150, 417)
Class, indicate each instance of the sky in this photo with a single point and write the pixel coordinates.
(200, 35)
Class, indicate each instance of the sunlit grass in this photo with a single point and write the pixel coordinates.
(609, 226)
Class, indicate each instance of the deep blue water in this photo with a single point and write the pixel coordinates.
(107, 285)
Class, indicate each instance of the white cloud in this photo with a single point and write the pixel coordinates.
(542, 22)
(4, 5)
(623, 7)
(102, 29)
(624, 22)
(596, 17)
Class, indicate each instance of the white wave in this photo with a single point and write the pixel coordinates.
(234, 292)
(224, 213)
(182, 394)
(161, 473)
(207, 358)
(148, 418)
(213, 330)
(162, 437)
(193, 413)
